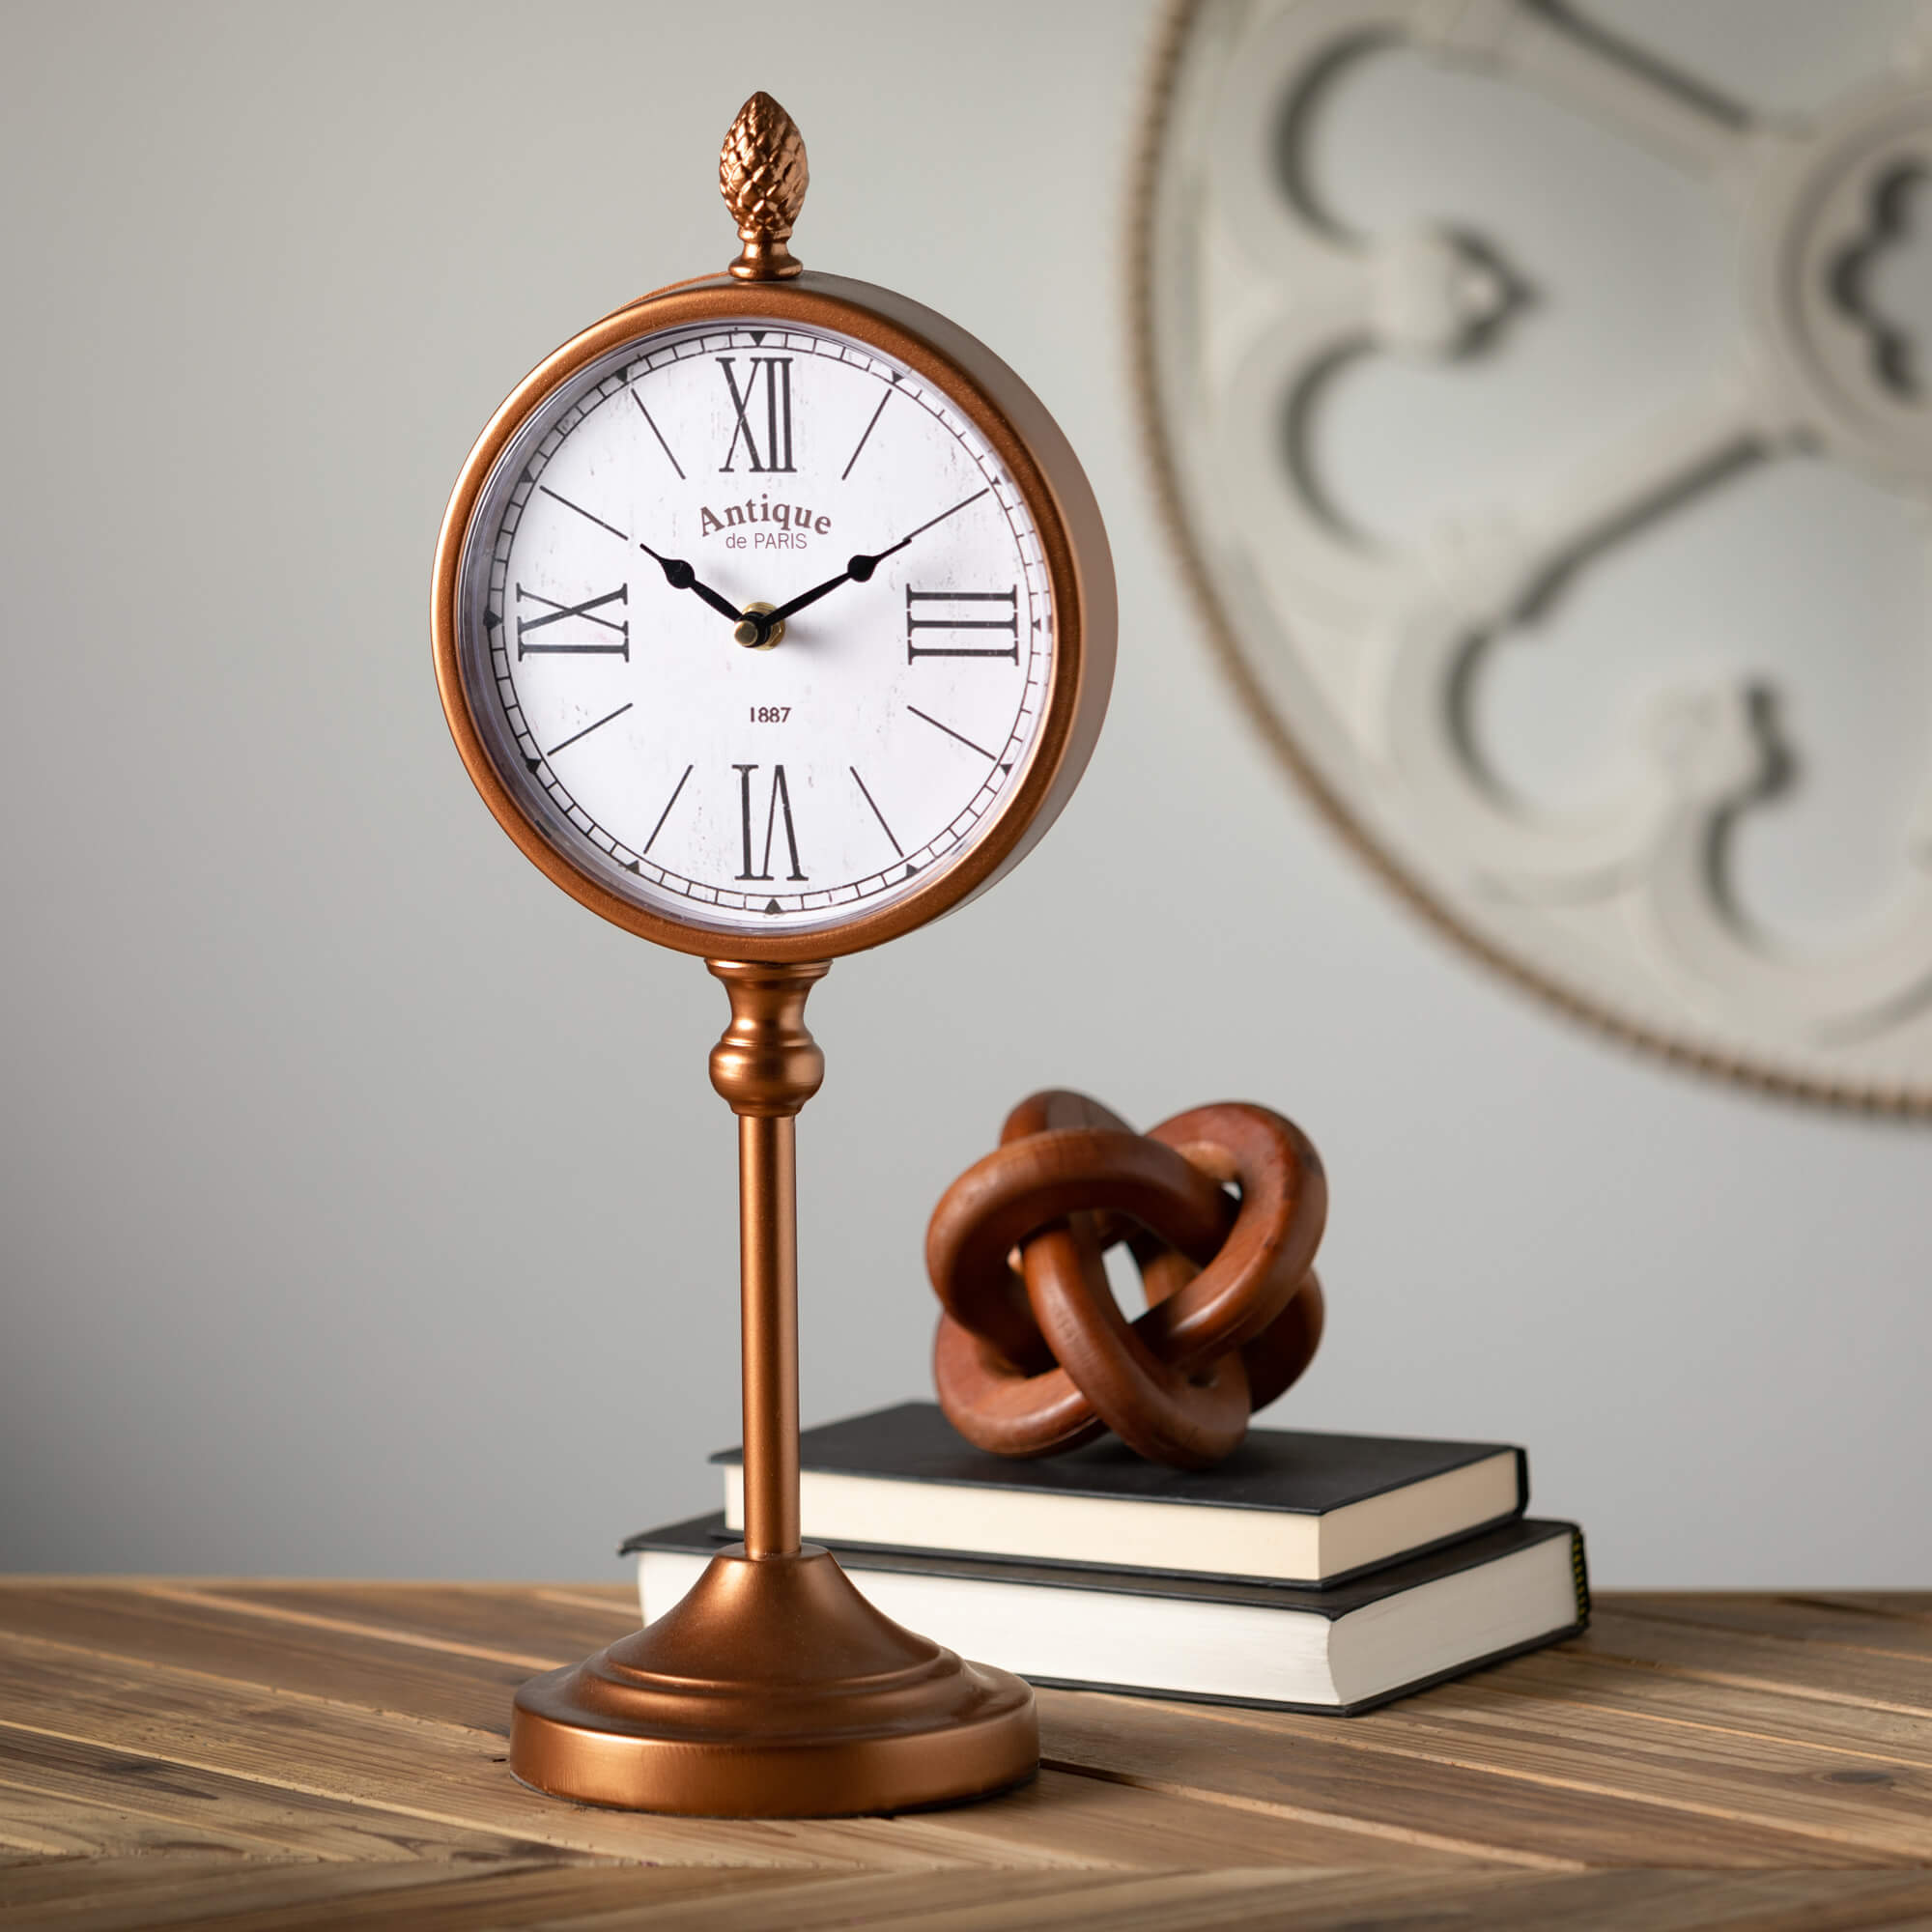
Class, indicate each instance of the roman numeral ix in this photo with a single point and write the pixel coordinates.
(574, 643)
(779, 801)
(963, 610)
(771, 374)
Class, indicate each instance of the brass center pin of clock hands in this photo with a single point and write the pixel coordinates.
(762, 630)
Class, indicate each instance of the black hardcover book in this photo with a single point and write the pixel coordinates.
(1339, 1650)
(1288, 1506)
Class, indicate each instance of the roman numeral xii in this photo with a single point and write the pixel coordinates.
(762, 408)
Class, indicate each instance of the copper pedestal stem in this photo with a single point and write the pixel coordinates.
(773, 1688)
(767, 1066)
(768, 1245)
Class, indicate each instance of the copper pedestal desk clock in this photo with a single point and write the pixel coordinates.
(774, 617)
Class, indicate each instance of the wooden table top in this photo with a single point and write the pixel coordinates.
(331, 1754)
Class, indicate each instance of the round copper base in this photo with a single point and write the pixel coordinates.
(774, 1691)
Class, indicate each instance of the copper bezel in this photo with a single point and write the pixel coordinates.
(1058, 498)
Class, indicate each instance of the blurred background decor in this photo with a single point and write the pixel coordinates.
(1540, 395)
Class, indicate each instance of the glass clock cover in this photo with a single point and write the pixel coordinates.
(646, 503)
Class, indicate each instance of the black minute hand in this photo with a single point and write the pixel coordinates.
(857, 570)
(680, 576)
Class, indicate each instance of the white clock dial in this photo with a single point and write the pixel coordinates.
(743, 464)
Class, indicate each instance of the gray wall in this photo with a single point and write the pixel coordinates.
(366, 1208)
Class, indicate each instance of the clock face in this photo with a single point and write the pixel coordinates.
(794, 787)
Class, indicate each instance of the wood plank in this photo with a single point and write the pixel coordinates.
(159, 1892)
(557, 1626)
(124, 1803)
(1102, 1821)
(401, 1765)
(1339, 1775)
(287, 1899)
(618, 1595)
(54, 1825)
(1188, 1901)
(1719, 1776)
(362, 1725)
(1798, 1619)
(1870, 1741)
(241, 1648)
(1821, 1671)
(83, 1894)
(1084, 1825)
(1881, 1603)
(1656, 1901)
(440, 1777)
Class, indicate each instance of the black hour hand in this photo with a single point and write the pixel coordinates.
(680, 576)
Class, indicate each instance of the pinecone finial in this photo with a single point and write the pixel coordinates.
(762, 176)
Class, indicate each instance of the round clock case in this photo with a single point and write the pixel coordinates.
(1065, 647)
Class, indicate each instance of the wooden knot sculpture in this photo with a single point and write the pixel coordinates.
(1222, 1210)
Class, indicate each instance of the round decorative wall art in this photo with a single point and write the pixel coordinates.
(1563, 523)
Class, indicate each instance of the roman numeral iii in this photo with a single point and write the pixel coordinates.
(779, 801)
(763, 405)
(574, 643)
(958, 611)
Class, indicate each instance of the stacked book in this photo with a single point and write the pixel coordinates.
(1308, 1570)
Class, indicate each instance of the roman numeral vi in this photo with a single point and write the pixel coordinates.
(779, 801)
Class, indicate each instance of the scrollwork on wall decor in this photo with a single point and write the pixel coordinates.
(1363, 656)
